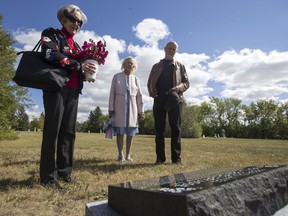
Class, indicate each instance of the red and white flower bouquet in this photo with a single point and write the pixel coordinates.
(95, 53)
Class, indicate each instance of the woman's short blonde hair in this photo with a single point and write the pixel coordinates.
(70, 9)
(135, 65)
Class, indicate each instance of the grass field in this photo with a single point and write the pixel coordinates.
(96, 167)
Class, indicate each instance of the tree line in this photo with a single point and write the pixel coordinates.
(266, 119)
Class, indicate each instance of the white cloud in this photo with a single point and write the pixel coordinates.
(27, 38)
(151, 31)
(33, 112)
(251, 74)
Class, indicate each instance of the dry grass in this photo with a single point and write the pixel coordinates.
(96, 167)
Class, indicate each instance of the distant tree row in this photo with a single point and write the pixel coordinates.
(23, 123)
(264, 119)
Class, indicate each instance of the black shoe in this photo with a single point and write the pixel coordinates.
(67, 180)
(53, 184)
(158, 162)
(178, 163)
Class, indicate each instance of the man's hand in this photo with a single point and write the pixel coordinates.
(174, 89)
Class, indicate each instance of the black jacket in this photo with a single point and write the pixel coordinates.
(55, 48)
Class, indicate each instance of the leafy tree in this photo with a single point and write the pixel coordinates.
(11, 95)
(41, 120)
(218, 114)
(35, 124)
(250, 122)
(147, 125)
(205, 117)
(102, 119)
(281, 122)
(266, 115)
(82, 127)
(221, 115)
(22, 119)
(191, 128)
(95, 123)
(266, 119)
(232, 113)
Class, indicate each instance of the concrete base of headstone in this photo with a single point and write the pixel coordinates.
(282, 212)
(99, 208)
(258, 195)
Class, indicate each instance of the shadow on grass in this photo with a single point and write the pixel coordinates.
(19, 163)
(90, 165)
(9, 183)
(94, 165)
(106, 166)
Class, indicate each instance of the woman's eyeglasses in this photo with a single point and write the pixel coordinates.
(73, 19)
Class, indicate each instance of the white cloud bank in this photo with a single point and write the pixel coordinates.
(247, 74)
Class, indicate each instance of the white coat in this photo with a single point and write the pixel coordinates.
(117, 100)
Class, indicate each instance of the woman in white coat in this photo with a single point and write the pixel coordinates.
(126, 106)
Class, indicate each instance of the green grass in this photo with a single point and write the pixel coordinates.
(96, 167)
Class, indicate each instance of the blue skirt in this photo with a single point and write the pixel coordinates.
(129, 131)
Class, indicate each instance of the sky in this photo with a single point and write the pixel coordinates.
(230, 48)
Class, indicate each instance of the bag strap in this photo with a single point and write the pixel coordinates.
(35, 49)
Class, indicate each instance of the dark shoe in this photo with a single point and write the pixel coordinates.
(179, 163)
(67, 180)
(158, 162)
(53, 184)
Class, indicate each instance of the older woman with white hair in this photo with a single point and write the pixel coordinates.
(60, 49)
(126, 106)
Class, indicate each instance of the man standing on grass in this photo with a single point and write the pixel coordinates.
(166, 83)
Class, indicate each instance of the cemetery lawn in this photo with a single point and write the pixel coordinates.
(96, 167)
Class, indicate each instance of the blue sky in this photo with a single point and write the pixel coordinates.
(231, 48)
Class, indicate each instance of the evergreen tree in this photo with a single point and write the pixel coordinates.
(95, 122)
(147, 125)
(22, 119)
(41, 120)
(35, 124)
(82, 127)
(11, 95)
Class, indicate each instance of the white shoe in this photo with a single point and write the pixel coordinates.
(121, 160)
(129, 159)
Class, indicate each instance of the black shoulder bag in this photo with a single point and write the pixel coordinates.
(34, 72)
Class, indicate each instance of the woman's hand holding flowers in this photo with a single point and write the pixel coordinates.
(141, 116)
(89, 67)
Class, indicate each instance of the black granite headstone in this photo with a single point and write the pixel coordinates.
(253, 191)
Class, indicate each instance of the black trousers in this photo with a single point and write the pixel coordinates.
(174, 118)
(58, 133)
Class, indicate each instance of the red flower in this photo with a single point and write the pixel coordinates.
(90, 50)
